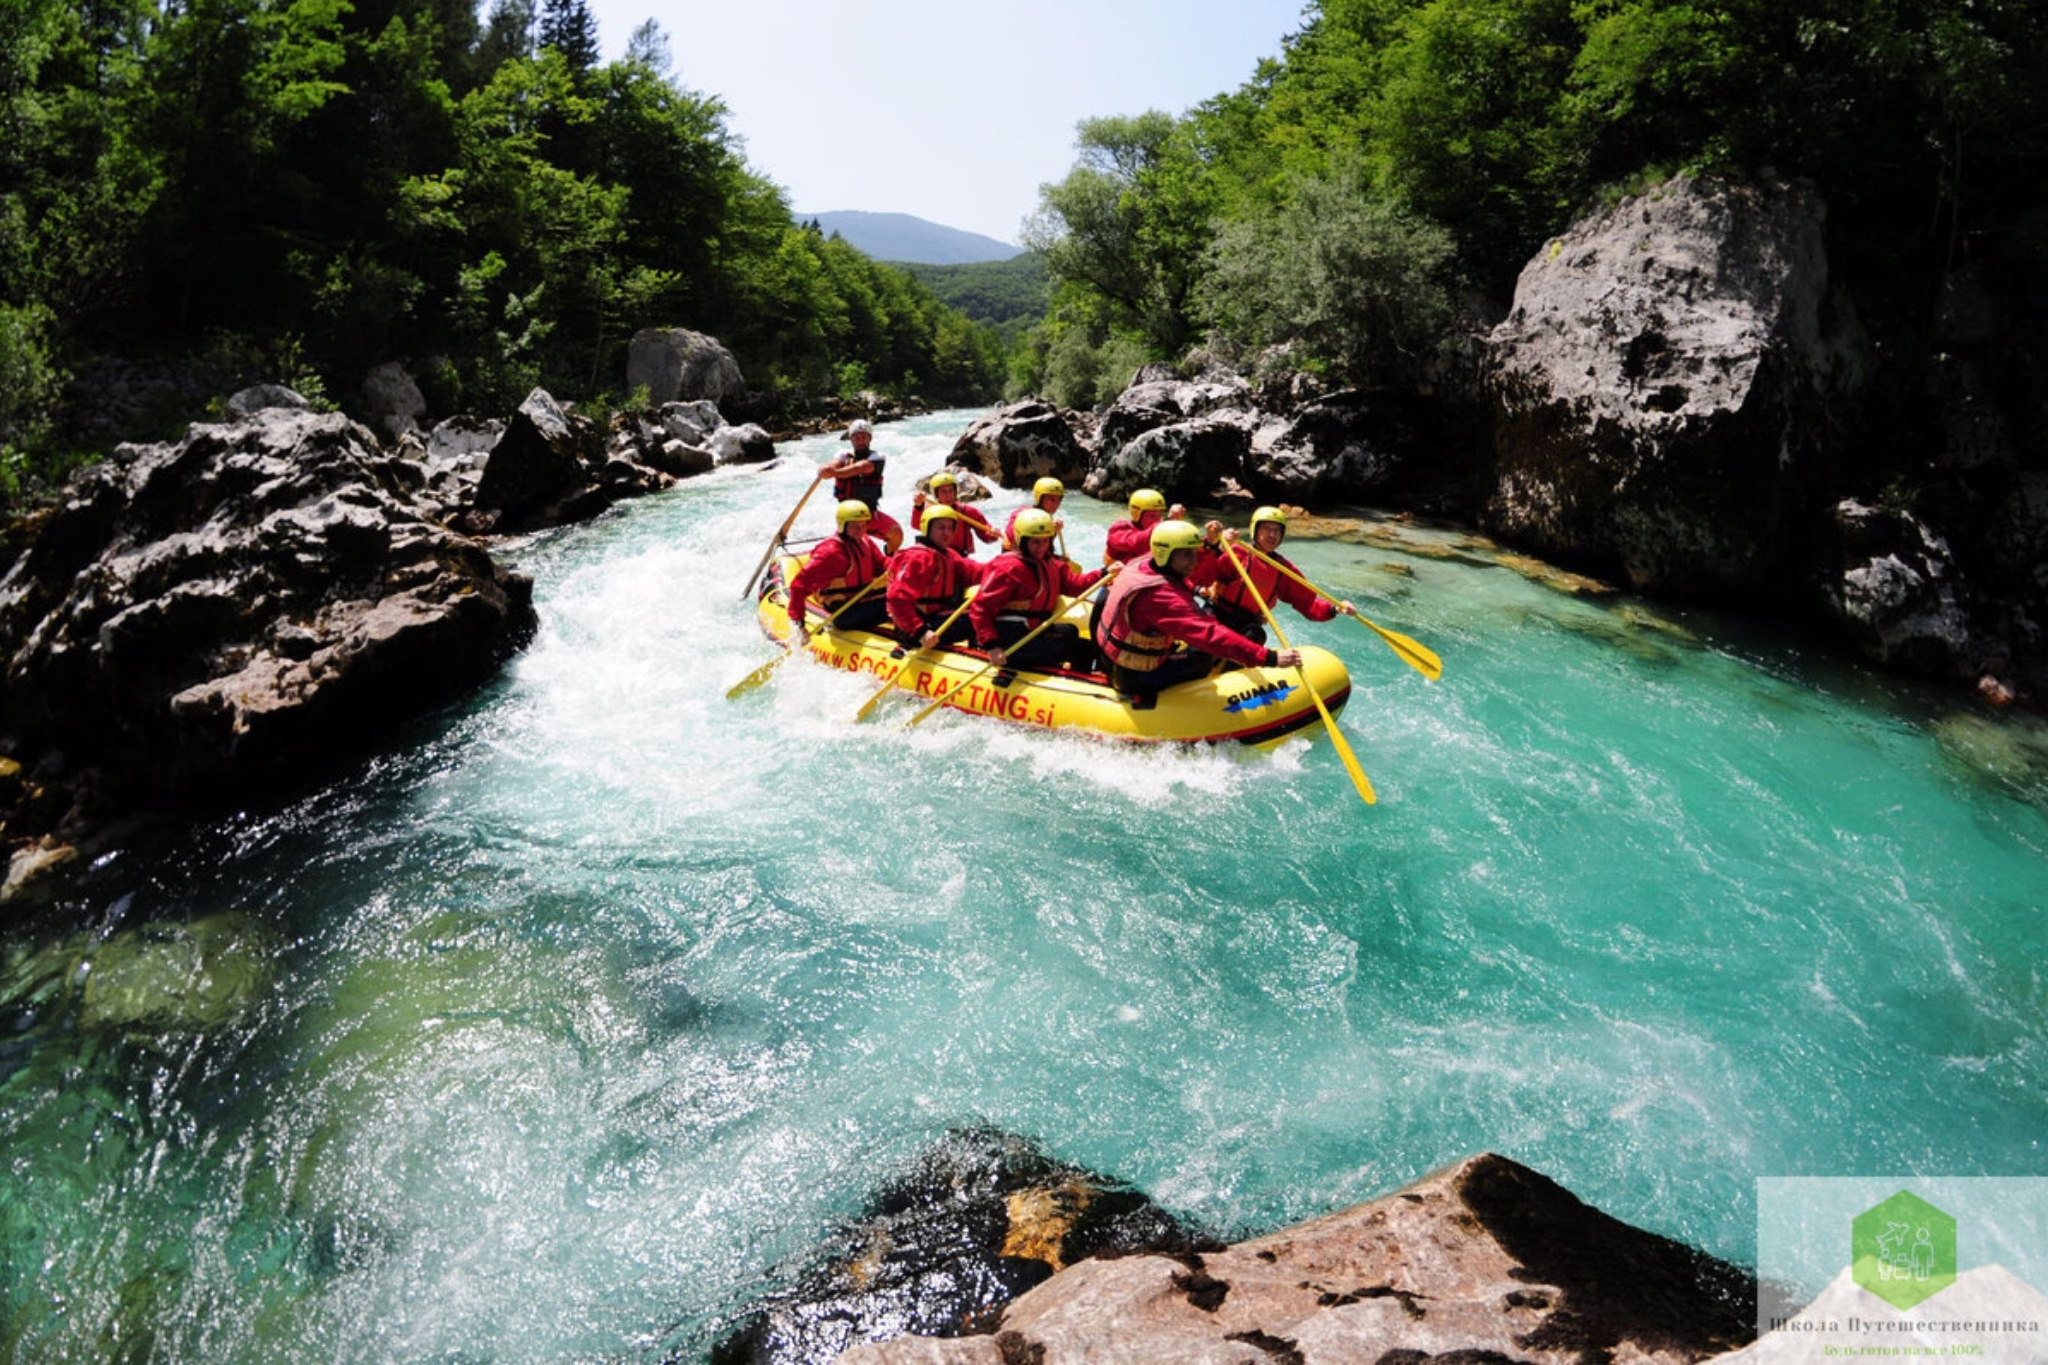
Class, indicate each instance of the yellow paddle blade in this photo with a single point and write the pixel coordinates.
(1410, 652)
(1415, 655)
(754, 679)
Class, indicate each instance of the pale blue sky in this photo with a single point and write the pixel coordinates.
(952, 110)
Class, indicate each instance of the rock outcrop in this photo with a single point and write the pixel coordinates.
(261, 597)
(1484, 1263)
(1894, 590)
(1021, 443)
(980, 1218)
(675, 364)
(392, 403)
(1666, 385)
(1218, 439)
(1185, 460)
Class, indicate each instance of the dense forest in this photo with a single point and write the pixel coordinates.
(1368, 194)
(1009, 296)
(302, 189)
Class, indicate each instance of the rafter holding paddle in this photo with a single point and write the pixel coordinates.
(867, 707)
(1022, 641)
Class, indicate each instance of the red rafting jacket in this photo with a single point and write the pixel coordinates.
(1128, 542)
(1029, 587)
(1144, 601)
(838, 567)
(925, 584)
(971, 517)
(1213, 575)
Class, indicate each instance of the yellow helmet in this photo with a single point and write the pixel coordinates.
(1033, 523)
(1147, 500)
(1266, 514)
(1048, 488)
(1169, 536)
(945, 478)
(851, 511)
(936, 512)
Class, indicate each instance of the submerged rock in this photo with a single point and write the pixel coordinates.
(181, 978)
(1484, 1262)
(982, 1217)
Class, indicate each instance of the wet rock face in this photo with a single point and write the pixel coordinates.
(1486, 1261)
(981, 1218)
(1894, 589)
(209, 616)
(1184, 460)
(1665, 385)
(1020, 444)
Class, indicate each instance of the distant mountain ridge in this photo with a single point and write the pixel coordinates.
(904, 237)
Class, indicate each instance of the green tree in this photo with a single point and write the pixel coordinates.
(1364, 284)
(569, 28)
(1125, 225)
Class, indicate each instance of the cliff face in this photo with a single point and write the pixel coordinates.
(1667, 385)
(1682, 396)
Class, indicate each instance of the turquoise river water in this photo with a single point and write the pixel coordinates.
(562, 1029)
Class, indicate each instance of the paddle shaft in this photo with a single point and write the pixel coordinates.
(1022, 641)
(760, 675)
(1411, 652)
(886, 688)
(1358, 778)
(781, 531)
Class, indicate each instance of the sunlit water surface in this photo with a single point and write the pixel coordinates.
(564, 1029)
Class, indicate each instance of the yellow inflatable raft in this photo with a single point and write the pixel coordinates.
(1256, 706)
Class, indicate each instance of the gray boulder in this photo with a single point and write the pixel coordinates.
(748, 443)
(1020, 444)
(674, 364)
(457, 449)
(1486, 1262)
(1151, 402)
(691, 423)
(1665, 385)
(545, 459)
(246, 403)
(1187, 461)
(214, 615)
(1339, 446)
(1895, 591)
(392, 403)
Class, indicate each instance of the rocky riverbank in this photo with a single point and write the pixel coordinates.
(990, 1253)
(1677, 401)
(212, 620)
